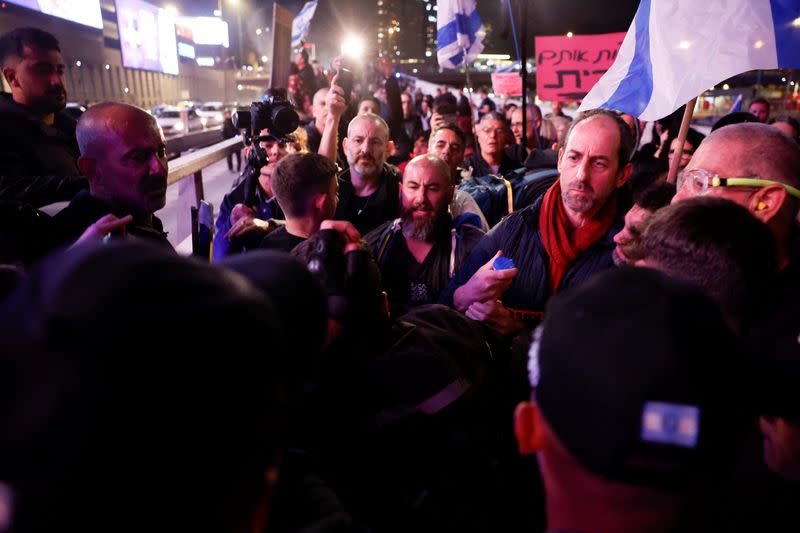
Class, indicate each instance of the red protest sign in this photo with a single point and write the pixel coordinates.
(568, 67)
(507, 83)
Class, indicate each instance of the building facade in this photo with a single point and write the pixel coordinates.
(406, 31)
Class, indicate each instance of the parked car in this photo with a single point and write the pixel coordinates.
(172, 123)
(211, 113)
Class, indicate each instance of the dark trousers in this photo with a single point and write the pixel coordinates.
(229, 158)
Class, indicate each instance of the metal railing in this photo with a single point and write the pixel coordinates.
(190, 191)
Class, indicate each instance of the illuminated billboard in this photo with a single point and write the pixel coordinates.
(204, 30)
(81, 11)
(147, 37)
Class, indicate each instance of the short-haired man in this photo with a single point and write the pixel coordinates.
(412, 125)
(124, 157)
(560, 241)
(693, 241)
(760, 108)
(645, 202)
(757, 167)
(369, 104)
(633, 439)
(38, 150)
(491, 157)
(447, 143)
(537, 153)
(306, 188)
(369, 189)
(419, 252)
(315, 128)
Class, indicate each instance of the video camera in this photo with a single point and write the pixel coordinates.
(275, 114)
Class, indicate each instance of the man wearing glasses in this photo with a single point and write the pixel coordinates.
(755, 166)
(491, 133)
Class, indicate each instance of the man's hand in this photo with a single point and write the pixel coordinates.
(247, 225)
(106, 225)
(241, 211)
(335, 102)
(495, 315)
(349, 233)
(437, 120)
(486, 284)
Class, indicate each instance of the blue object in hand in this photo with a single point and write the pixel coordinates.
(503, 263)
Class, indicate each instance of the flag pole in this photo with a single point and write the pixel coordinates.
(676, 160)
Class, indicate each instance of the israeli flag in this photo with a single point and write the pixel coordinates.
(676, 49)
(302, 22)
(459, 32)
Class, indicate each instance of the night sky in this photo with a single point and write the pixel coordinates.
(334, 18)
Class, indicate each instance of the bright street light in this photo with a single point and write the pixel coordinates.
(353, 47)
(172, 10)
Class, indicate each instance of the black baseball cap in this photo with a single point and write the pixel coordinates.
(640, 378)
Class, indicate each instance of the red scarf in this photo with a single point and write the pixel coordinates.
(564, 243)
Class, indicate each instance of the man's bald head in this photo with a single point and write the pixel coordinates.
(756, 150)
(101, 119)
(381, 125)
(318, 106)
(428, 163)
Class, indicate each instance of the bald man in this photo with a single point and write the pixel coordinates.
(124, 158)
(415, 251)
(767, 165)
(368, 190)
(316, 127)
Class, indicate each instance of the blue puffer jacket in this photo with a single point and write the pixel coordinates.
(519, 237)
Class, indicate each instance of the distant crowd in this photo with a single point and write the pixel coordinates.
(419, 314)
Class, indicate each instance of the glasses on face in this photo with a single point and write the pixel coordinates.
(700, 181)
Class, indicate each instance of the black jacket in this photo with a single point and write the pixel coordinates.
(481, 168)
(382, 205)
(520, 238)
(38, 163)
(407, 289)
(84, 210)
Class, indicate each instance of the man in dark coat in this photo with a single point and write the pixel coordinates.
(38, 150)
(124, 157)
(558, 242)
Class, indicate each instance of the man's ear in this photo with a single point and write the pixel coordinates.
(88, 166)
(389, 148)
(10, 75)
(560, 157)
(319, 201)
(344, 145)
(624, 175)
(528, 428)
(767, 202)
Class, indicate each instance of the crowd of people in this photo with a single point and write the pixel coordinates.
(419, 316)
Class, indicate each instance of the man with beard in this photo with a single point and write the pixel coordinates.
(419, 252)
(38, 150)
(560, 241)
(369, 189)
(124, 157)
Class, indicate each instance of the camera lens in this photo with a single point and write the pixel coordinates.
(284, 119)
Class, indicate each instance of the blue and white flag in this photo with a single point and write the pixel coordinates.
(302, 22)
(676, 49)
(459, 32)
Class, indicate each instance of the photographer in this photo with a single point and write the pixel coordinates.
(245, 211)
